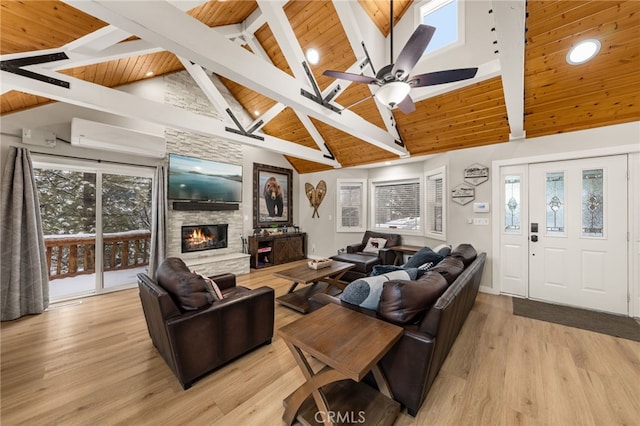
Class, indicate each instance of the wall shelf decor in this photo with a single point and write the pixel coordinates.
(463, 194)
(476, 174)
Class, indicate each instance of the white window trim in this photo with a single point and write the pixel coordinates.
(442, 236)
(429, 6)
(363, 207)
(372, 205)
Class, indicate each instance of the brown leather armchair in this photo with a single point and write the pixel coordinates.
(195, 342)
(365, 261)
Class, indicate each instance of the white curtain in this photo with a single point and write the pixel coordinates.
(25, 279)
(158, 221)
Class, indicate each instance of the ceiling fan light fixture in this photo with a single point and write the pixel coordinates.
(583, 51)
(393, 93)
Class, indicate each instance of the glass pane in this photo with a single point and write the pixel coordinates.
(435, 218)
(445, 19)
(397, 206)
(592, 203)
(555, 202)
(67, 206)
(350, 205)
(512, 204)
(126, 224)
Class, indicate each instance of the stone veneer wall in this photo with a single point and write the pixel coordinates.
(183, 92)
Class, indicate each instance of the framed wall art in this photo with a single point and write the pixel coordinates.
(272, 196)
(476, 174)
(463, 194)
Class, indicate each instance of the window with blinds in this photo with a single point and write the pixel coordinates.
(396, 205)
(436, 204)
(351, 205)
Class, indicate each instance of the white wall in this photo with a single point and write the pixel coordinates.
(322, 231)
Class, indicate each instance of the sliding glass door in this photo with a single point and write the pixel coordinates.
(96, 220)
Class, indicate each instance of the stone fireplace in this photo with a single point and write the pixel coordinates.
(204, 237)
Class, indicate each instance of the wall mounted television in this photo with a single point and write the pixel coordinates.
(196, 179)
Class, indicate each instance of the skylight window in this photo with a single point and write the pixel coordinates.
(445, 16)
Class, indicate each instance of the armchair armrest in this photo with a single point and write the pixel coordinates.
(224, 281)
(354, 248)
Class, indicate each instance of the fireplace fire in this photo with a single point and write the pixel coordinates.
(204, 237)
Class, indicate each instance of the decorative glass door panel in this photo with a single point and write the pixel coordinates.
(555, 202)
(580, 257)
(592, 203)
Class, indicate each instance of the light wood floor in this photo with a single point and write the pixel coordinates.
(92, 363)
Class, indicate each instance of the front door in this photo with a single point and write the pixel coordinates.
(578, 233)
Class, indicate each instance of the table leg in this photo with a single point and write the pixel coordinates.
(312, 386)
(335, 281)
(293, 287)
(381, 381)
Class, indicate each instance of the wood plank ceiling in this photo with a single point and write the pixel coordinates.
(558, 97)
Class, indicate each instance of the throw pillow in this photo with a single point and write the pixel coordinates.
(213, 285)
(443, 249)
(405, 302)
(374, 245)
(189, 290)
(423, 256)
(365, 292)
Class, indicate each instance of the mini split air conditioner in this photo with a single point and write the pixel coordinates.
(91, 134)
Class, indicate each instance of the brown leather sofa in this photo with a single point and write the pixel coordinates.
(195, 333)
(365, 261)
(431, 310)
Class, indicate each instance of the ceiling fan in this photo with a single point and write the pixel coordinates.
(395, 80)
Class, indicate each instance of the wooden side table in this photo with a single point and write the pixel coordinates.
(401, 250)
(350, 344)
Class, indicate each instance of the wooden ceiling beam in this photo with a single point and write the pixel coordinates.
(166, 26)
(509, 17)
(94, 96)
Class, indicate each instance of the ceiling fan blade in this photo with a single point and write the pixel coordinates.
(441, 77)
(407, 106)
(351, 77)
(412, 51)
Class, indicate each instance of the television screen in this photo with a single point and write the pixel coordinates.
(196, 179)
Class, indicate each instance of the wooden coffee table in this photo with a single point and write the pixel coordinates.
(350, 344)
(326, 280)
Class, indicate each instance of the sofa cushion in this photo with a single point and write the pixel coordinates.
(450, 268)
(405, 302)
(374, 245)
(465, 252)
(190, 290)
(365, 292)
(423, 256)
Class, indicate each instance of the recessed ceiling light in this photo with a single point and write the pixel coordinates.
(583, 51)
(149, 74)
(256, 112)
(313, 56)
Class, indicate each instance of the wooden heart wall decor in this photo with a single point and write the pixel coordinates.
(315, 195)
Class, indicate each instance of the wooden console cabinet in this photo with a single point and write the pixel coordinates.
(277, 249)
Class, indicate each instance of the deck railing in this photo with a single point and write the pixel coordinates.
(71, 255)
